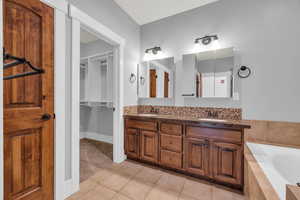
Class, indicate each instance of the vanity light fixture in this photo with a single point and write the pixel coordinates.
(154, 50)
(206, 40)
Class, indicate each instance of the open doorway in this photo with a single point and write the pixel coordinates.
(110, 101)
(96, 104)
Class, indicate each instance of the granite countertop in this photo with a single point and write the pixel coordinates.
(235, 123)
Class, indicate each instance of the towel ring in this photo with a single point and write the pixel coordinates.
(132, 78)
(244, 72)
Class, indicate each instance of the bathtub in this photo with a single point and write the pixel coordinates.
(281, 165)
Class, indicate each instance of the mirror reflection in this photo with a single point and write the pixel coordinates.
(156, 78)
(214, 74)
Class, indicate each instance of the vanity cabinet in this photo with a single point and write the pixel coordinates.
(141, 140)
(132, 143)
(215, 151)
(197, 156)
(171, 152)
(149, 146)
(208, 150)
(227, 162)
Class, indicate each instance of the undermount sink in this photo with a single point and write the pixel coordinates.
(213, 120)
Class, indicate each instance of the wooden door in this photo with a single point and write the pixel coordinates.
(166, 84)
(196, 156)
(149, 146)
(227, 162)
(153, 78)
(28, 132)
(199, 85)
(132, 143)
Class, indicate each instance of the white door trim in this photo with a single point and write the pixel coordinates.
(59, 103)
(75, 117)
(81, 19)
(61, 5)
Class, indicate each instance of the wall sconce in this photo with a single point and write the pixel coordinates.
(206, 40)
(132, 78)
(154, 50)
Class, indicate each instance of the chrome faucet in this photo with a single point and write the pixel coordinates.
(211, 114)
(154, 110)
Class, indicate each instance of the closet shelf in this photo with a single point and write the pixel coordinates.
(91, 104)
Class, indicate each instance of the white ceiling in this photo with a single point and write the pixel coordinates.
(86, 37)
(146, 11)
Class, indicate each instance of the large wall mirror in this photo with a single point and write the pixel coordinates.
(156, 78)
(210, 74)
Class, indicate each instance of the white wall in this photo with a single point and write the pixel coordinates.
(68, 138)
(266, 34)
(112, 16)
(92, 48)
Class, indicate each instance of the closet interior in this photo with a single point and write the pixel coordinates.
(96, 103)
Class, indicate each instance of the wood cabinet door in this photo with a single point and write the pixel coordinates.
(28, 102)
(196, 156)
(149, 146)
(132, 143)
(227, 162)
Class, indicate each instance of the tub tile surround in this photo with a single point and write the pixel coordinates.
(271, 132)
(292, 192)
(257, 185)
(130, 109)
(193, 112)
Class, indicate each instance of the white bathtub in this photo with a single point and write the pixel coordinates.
(280, 164)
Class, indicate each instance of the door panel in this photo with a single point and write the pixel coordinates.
(166, 84)
(196, 156)
(28, 139)
(153, 78)
(26, 160)
(132, 143)
(227, 162)
(149, 146)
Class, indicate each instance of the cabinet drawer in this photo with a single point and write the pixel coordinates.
(139, 124)
(171, 129)
(171, 143)
(222, 134)
(171, 159)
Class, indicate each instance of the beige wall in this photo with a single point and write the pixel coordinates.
(282, 133)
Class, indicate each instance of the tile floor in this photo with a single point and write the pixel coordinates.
(104, 180)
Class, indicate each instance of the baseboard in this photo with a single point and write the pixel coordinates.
(97, 136)
(69, 189)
